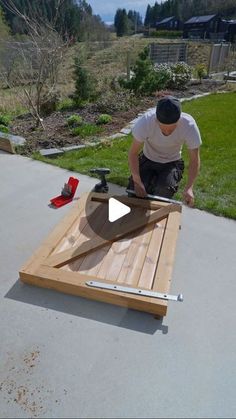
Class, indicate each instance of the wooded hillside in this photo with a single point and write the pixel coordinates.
(73, 19)
(184, 9)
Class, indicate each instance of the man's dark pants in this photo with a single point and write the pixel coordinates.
(159, 178)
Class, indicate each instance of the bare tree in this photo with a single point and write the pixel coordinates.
(37, 57)
(8, 58)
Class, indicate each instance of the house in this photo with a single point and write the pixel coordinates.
(202, 27)
(169, 23)
(229, 28)
(232, 31)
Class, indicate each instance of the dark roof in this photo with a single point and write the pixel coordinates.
(200, 19)
(167, 19)
(229, 22)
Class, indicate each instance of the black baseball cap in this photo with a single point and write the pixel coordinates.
(168, 110)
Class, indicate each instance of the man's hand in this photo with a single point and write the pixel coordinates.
(134, 168)
(140, 189)
(188, 197)
(193, 169)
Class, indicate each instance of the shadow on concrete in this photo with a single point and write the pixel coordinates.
(4, 152)
(52, 206)
(81, 307)
(57, 208)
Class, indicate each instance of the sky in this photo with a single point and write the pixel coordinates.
(107, 9)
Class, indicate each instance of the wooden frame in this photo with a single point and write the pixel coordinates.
(137, 255)
(6, 144)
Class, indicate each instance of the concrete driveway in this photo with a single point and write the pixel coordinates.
(64, 356)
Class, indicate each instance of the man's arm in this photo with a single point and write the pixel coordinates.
(193, 170)
(134, 168)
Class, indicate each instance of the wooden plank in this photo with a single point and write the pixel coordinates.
(134, 260)
(113, 261)
(55, 236)
(152, 256)
(88, 233)
(162, 278)
(6, 145)
(93, 256)
(138, 202)
(113, 256)
(74, 233)
(74, 283)
(92, 262)
(119, 231)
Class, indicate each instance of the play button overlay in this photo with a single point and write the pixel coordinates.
(106, 214)
(116, 210)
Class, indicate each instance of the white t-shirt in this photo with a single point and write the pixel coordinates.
(161, 148)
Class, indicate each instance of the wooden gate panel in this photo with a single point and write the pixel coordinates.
(133, 263)
(146, 278)
(54, 238)
(165, 264)
(141, 258)
(112, 263)
(80, 231)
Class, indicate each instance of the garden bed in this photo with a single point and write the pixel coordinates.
(214, 187)
(57, 133)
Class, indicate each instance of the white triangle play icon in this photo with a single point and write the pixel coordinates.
(116, 210)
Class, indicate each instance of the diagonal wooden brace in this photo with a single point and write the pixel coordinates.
(70, 255)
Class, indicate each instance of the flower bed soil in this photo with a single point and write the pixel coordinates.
(57, 133)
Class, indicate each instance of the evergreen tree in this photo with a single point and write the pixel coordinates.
(121, 22)
(175, 8)
(131, 15)
(69, 19)
(117, 19)
(4, 29)
(147, 20)
(84, 88)
(135, 20)
(185, 10)
(155, 14)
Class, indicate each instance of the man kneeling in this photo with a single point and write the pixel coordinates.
(158, 169)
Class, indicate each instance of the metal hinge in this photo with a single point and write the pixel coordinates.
(135, 291)
(156, 197)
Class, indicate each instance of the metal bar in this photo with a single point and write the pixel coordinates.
(157, 198)
(135, 291)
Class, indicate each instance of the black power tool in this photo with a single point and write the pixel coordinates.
(101, 186)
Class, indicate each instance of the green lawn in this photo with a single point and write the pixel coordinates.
(215, 188)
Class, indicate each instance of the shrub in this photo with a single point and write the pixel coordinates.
(104, 119)
(147, 77)
(65, 104)
(84, 85)
(174, 75)
(3, 128)
(5, 120)
(200, 70)
(49, 104)
(181, 75)
(166, 34)
(74, 120)
(144, 78)
(86, 130)
(110, 102)
(163, 75)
